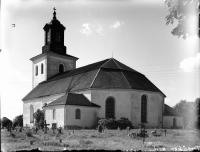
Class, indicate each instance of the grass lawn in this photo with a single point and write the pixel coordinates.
(91, 139)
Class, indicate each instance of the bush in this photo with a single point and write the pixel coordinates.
(29, 133)
(111, 123)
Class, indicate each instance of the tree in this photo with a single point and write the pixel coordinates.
(39, 118)
(18, 121)
(5, 122)
(187, 14)
(189, 110)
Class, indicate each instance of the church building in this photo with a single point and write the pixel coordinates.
(73, 96)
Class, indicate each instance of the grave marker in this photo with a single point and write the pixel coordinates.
(45, 127)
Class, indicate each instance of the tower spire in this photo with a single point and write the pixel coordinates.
(54, 13)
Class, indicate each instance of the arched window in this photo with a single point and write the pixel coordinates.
(42, 68)
(31, 113)
(61, 68)
(110, 108)
(36, 70)
(78, 114)
(144, 109)
(54, 113)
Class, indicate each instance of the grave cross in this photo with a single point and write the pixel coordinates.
(10, 128)
(26, 127)
(45, 127)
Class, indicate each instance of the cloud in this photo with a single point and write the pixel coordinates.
(99, 29)
(116, 24)
(86, 29)
(188, 64)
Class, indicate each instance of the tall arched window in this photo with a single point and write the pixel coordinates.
(144, 109)
(36, 70)
(54, 113)
(110, 108)
(42, 68)
(61, 68)
(78, 114)
(31, 113)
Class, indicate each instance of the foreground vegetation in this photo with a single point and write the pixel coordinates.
(91, 139)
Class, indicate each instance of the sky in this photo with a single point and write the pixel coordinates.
(134, 32)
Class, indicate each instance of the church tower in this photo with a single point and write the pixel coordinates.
(54, 58)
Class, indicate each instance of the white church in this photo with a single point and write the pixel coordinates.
(73, 96)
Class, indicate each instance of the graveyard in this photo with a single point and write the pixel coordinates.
(99, 139)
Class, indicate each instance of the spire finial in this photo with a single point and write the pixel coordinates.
(54, 13)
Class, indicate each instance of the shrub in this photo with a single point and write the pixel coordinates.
(29, 133)
(112, 123)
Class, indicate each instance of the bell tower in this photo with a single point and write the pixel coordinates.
(54, 36)
(54, 58)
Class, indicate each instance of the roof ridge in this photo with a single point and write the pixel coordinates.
(126, 79)
(95, 77)
(117, 64)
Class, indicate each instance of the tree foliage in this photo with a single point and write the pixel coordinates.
(5, 122)
(18, 121)
(190, 112)
(39, 118)
(187, 14)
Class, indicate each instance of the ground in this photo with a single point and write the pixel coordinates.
(91, 139)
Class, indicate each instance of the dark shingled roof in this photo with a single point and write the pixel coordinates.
(73, 99)
(169, 111)
(106, 74)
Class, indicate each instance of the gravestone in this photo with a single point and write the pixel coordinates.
(45, 127)
(100, 129)
(59, 130)
(10, 130)
(53, 128)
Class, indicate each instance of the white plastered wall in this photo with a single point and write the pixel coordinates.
(59, 115)
(37, 104)
(128, 104)
(41, 76)
(88, 116)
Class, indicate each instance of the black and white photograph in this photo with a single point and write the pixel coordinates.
(100, 75)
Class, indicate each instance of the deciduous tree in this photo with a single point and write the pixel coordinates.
(18, 121)
(39, 117)
(186, 14)
(5, 122)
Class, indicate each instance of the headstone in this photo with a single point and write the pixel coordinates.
(128, 129)
(100, 128)
(59, 130)
(45, 127)
(10, 130)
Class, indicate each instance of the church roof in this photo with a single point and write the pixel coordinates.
(106, 74)
(169, 111)
(73, 99)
